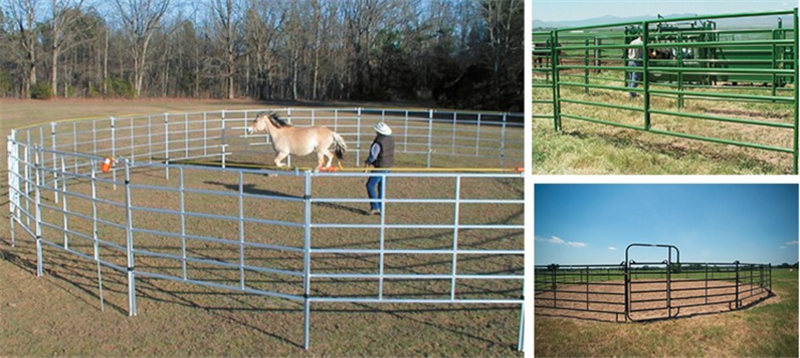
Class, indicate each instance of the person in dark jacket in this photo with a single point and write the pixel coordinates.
(381, 155)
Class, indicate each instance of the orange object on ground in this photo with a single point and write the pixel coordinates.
(108, 162)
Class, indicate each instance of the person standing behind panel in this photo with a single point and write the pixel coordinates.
(635, 60)
(381, 155)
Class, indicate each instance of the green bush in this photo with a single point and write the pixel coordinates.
(41, 91)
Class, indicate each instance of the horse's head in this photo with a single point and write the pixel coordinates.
(262, 121)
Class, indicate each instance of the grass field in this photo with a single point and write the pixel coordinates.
(589, 148)
(59, 314)
(768, 329)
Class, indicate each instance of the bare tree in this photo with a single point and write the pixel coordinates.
(229, 15)
(140, 19)
(65, 14)
(23, 14)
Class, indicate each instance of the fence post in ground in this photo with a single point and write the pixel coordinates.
(358, 137)
(307, 259)
(129, 241)
(13, 183)
(503, 142)
(586, 65)
(736, 267)
(55, 164)
(645, 81)
(680, 73)
(556, 87)
(430, 130)
(39, 179)
(166, 142)
(521, 319)
(456, 214)
(770, 264)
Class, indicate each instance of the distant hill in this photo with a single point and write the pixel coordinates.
(756, 22)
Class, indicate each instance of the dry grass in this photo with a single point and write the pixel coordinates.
(764, 330)
(59, 315)
(590, 148)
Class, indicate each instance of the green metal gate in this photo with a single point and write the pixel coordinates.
(684, 60)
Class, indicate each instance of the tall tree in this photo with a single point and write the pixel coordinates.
(140, 19)
(24, 15)
(229, 16)
(65, 14)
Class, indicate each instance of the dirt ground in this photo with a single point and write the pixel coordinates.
(612, 294)
(60, 314)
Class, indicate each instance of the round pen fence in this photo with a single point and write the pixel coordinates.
(189, 201)
(642, 291)
(688, 73)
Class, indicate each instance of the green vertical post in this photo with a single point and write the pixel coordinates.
(796, 82)
(680, 73)
(556, 87)
(774, 63)
(586, 63)
(646, 82)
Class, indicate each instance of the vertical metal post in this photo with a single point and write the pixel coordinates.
(382, 236)
(75, 144)
(129, 241)
(646, 82)
(477, 137)
(503, 142)
(405, 137)
(13, 183)
(205, 134)
(241, 228)
(166, 144)
(94, 234)
(182, 193)
(587, 286)
(453, 139)
(627, 283)
(669, 282)
(680, 72)
(456, 215)
(556, 86)
(335, 120)
(430, 130)
(770, 264)
(289, 120)
(307, 259)
(586, 65)
(113, 149)
(185, 134)
(358, 138)
(737, 282)
(94, 137)
(132, 142)
(521, 326)
(64, 206)
(55, 162)
(706, 281)
(39, 263)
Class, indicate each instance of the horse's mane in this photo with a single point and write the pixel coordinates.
(277, 121)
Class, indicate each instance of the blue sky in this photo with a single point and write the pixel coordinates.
(592, 224)
(562, 10)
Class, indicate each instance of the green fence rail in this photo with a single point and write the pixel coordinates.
(683, 60)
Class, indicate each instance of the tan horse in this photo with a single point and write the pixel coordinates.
(287, 139)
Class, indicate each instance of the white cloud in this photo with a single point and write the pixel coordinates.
(793, 242)
(612, 248)
(559, 241)
(783, 247)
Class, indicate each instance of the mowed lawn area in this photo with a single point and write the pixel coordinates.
(59, 314)
(764, 330)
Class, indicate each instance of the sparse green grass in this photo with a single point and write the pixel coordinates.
(768, 329)
(590, 148)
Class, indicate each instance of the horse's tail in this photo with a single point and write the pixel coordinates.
(340, 147)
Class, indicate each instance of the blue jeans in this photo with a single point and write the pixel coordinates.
(634, 76)
(374, 189)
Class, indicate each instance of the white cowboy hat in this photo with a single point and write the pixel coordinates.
(382, 128)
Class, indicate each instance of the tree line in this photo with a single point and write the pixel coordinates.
(458, 53)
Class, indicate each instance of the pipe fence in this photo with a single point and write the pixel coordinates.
(589, 73)
(442, 238)
(643, 291)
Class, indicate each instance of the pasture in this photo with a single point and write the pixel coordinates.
(59, 314)
(768, 329)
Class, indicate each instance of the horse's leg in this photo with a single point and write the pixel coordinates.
(329, 155)
(279, 158)
(320, 159)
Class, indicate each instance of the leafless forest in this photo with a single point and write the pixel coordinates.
(456, 53)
